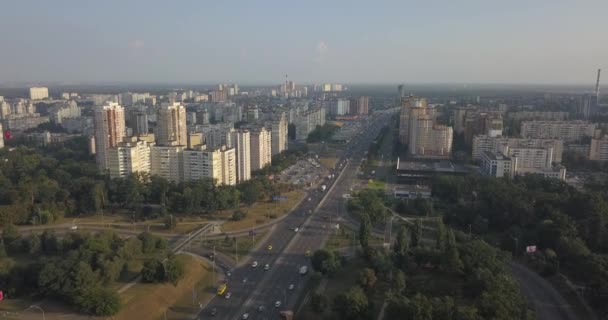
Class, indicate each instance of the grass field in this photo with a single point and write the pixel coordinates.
(151, 301)
(376, 184)
(262, 212)
(242, 247)
(346, 237)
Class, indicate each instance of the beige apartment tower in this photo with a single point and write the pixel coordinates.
(109, 131)
(171, 125)
(261, 155)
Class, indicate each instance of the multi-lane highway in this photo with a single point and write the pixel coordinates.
(251, 287)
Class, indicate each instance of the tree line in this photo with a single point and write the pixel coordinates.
(39, 185)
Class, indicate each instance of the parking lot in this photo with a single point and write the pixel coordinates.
(307, 173)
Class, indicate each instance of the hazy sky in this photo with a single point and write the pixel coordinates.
(200, 41)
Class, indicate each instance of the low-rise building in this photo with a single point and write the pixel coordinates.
(496, 165)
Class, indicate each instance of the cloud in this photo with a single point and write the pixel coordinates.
(321, 51)
(136, 44)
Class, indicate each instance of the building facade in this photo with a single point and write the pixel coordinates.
(109, 123)
(166, 162)
(483, 143)
(129, 157)
(279, 134)
(171, 125)
(64, 110)
(565, 130)
(39, 93)
(261, 154)
(241, 142)
(496, 165)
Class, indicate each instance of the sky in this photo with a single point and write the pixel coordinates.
(256, 41)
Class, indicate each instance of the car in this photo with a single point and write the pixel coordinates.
(269, 247)
(213, 312)
(245, 316)
(228, 295)
(291, 286)
(74, 227)
(296, 229)
(244, 280)
(309, 199)
(307, 253)
(266, 267)
(277, 304)
(261, 308)
(254, 264)
(228, 273)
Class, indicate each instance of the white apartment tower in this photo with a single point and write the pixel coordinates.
(171, 125)
(109, 131)
(39, 93)
(279, 134)
(261, 154)
(129, 157)
(166, 162)
(241, 142)
(1, 137)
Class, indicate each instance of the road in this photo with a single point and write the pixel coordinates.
(547, 302)
(264, 288)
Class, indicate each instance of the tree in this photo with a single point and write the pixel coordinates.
(401, 243)
(9, 233)
(174, 270)
(399, 282)
(440, 242)
(325, 261)
(367, 279)
(99, 301)
(170, 222)
(444, 308)
(319, 302)
(365, 231)
(352, 304)
(153, 271)
(420, 308)
(451, 262)
(416, 233)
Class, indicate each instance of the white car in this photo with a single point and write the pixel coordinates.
(246, 316)
(266, 267)
(291, 286)
(228, 295)
(277, 304)
(254, 264)
(74, 227)
(296, 229)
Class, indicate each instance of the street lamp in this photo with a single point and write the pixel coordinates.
(39, 308)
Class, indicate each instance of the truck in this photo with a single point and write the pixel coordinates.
(303, 270)
(323, 187)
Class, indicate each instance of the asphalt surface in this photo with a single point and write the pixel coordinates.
(547, 302)
(288, 254)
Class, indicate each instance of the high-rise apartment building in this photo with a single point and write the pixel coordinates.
(241, 142)
(229, 164)
(39, 93)
(128, 157)
(599, 149)
(64, 110)
(427, 139)
(359, 105)
(340, 107)
(565, 130)
(218, 164)
(138, 121)
(261, 154)
(307, 121)
(171, 125)
(279, 134)
(5, 110)
(166, 162)
(109, 131)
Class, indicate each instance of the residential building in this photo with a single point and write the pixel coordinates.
(171, 125)
(308, 121)
(241, 142)
(195, 139)
(1, 137)
(83, 125)
(261, 154)
(218, 96)
(5, 110)
(279, 133)
(39, 93)
(339, 107)
(538, 115)
(496, 165)
(359, 106)
(599, 149)
(572, 130)
(486, 143)
(128, 157)
(228, 166)
(482, 123)
(166, 162)
(217, 135)
(109, 131)
(64, 110)
(23, 121)
(202, 117)
(199, 163)
(426, 139)
(138, 121)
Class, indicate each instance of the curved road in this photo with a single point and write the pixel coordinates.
(547, 302)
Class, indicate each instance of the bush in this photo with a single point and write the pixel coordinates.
(238, 215)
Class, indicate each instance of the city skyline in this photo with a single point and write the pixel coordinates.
(475, 42)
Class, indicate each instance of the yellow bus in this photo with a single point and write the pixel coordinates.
(222, 289)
